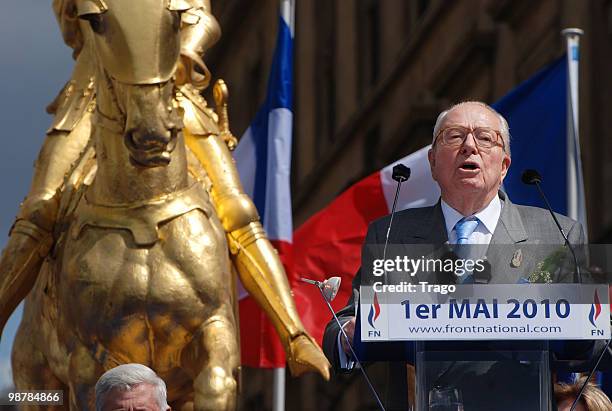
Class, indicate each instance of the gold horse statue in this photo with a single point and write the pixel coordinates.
(131, 259)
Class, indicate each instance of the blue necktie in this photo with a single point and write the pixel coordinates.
(464, 229)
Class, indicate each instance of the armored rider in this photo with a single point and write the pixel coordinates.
(209, 139)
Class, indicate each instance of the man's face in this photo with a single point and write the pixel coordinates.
(469, 169)
(140, 398)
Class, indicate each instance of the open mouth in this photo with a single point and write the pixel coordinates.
(469, 166)
(150, 159)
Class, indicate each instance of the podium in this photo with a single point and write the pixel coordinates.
(499, 359)
(495, 377)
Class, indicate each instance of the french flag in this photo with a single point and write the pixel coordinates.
(329, 243)
(263, 159)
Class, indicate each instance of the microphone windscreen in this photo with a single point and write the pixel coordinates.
(531, 177)
(400, 172)
(331, 287)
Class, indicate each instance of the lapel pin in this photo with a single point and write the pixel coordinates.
(517, 258)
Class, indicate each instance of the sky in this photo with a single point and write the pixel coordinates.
(34, 65)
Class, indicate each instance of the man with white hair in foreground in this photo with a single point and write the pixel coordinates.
(131, 387)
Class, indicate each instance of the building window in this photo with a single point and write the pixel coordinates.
(370, 150)
(368, 33)
(610, 19)
(325, 105)
(254, 98)
(413, 12)
(421, 7)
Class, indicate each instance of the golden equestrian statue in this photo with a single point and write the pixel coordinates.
(126, 244)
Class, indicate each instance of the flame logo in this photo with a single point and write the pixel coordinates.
(374, 311)
(595, 309)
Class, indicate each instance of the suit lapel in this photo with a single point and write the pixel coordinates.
(430, 230)
(505, 253)
(510, 228)
(422, 235)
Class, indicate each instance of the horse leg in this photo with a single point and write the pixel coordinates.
(31, 370)
(182, 406)
(213, 358)
(83, 373)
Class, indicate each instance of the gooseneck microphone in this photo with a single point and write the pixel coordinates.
(328, 289)
(401, 173)
(532, 177)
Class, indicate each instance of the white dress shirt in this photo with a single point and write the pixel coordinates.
(488, 218)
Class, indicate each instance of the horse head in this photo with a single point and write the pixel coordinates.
(137, 46)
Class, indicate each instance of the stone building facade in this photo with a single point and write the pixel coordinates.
(371, 77)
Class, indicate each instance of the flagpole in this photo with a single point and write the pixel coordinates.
(287, 12)
(576, 205)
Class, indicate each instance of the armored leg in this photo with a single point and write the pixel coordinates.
(263, 276)
(257, 262)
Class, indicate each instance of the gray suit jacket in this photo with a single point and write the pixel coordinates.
(524, 228)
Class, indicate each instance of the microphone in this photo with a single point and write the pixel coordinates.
(400, 174)
(532, 177)
(328, 289)
(443, 276)
(483, 276)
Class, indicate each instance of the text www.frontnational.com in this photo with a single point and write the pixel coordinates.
(478, 329)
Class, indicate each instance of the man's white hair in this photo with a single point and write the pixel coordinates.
(127, 376)
(504, 130)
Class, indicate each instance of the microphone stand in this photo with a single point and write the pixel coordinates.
(400, 174)
(320, 285)
(532, 177)
(578, 273)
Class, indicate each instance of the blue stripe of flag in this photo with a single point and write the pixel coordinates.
(536, 112)
(279, 95)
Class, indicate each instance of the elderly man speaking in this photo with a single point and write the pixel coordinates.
(469, 159)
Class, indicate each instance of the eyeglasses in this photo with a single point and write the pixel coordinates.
(455, 137)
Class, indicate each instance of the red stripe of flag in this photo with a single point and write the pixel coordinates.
(329, 244)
